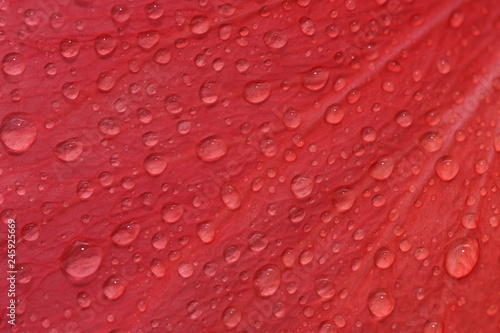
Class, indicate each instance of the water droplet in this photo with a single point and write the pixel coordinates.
(154, 10)
(257, 241)
(114, 287)
(69, 150)
(70, 90)
(315, 79)
(30, 232)
(257, 92)
(158, 267)
(13, 64)
(268, 147)
(267, 280)
(325, 288)
(433, 327)
(447, 168)
(231, 254)
(69, 48)
(211, 149)
(470, 221)
(432, 141)
(109, 126)
(172, 212)
(81, 259)
(275, 39)
(481, 166)
(18, 132)
(381, 303)
(83, 299)
(105, 81)
(206, 232)
(162, 56)
(456, 19)
(85, 189)
(301, 186)
(120, 13)
(231, 197)
(185, 269)
(443, 66)
(382, 168)
(199, 25)
(384, 258)
(126, 233)
(461, 257)
(307, 26)
(343, 199)
(172, 104)
(148, 39)
(334, 114)
(231, 317)
(104, 45)
(209, 92)
(292, 119)
(155, 164)
(368, 134)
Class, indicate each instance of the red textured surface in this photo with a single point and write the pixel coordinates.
(348, 213)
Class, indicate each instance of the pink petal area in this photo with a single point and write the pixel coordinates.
(253, 166)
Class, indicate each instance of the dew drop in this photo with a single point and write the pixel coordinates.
(154, 10)
(70, 90)
(158, 267)
(81, 259)
(334, 114)
(325, 288)
(315, 79)
(162, 56)
(126, 233)
(185, 269)
(104, 45)
(109, 126)
(69, 48)
(432, 141)
(148, 39)
(343, 199)
(481, 166)
(447, 168)
(172, 212)
(443, 66)
(206, 232)
(120, 13)
(231, 317)
(256, 92)
(209, 92)
(105, 81)
(301, 186)
(382, 168)
(381, 303)
(114, 287)
(433, 327)
(292, 119)
(384, 258)
(275, 39)
(13, 64)
(199, 25)
(456, 19)
(85, 189)
(461, 257)
(155, 164)
(18, 132)
(211, 149)
(267, 280)
(307, 26)
(231, 254)
(231, 197)
(69, 150)
(470, 221)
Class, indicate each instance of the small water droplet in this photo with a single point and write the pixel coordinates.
(105, 81)
(292, 119)
(256, 92)
(384, 258)
(461, 257)
(211, 149)
(13, 64)
(470, 221)
(325, 288)
(69, 48)
(231, 254)
(148, 39)
(155, 164)
(114, 287)
(231, 317)
(162, 56)
(209, 92)
(154, 10)
(158, 267)
(172, 212)
(334, 114)
(18, 132)
(109, 126)
(81, 259)
(275, 39)
(381, 303)
(307, 26)
(443, 66)
(126, 233)
(315, 79)
(382, 168)
(447, 168)
(267, 280)
(120, 13)
(231, 197)
(104, 45)
(433, 327)
(206, 232)
(185, 269)
(343, 199)
(456, 19)
(69, 150)
(199, 25)
(431, 141)
(301, 186)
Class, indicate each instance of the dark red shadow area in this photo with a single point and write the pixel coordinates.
(251, 166)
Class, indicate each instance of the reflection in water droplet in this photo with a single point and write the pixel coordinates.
(120, 13)
(109, 126)
(381, 303)
(209, 92)
(185, 269)
(69, 48)
(81, 259)
(461, 257)
(18, 132)
(85, 189)
(267, 280)
(231, 254)
(148, 39)
(447, 168)
(114, 287)
(211, 149)
(433, 327)
(307, 26)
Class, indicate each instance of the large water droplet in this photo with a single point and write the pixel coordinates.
(126, 233)
(231, 317)
(231, 197)
(301, 186)
(381, 303)
(206, 232)
(231, 254)
(85, 189)
(172, 212)
(275, 39)
(334, 114)
(13, 64)
(431, 141)
(69, 48)
(18, 132)
(199, 25)
(120, 13)
(211, 149)
(447, 168)
(148, 39)
(461, 257)
(307, 26)
(104, 45)
(81, 259)
(404, 118)
(256, 92)
(315, 79)
(325, 288)
(158, 267)
(155, 164)
(109, 126)
(154, 10)
(69, 150)
(382, 168)
(267, 280)
(384, 258)
(343, 199)
(209, 92)
(114, 287)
